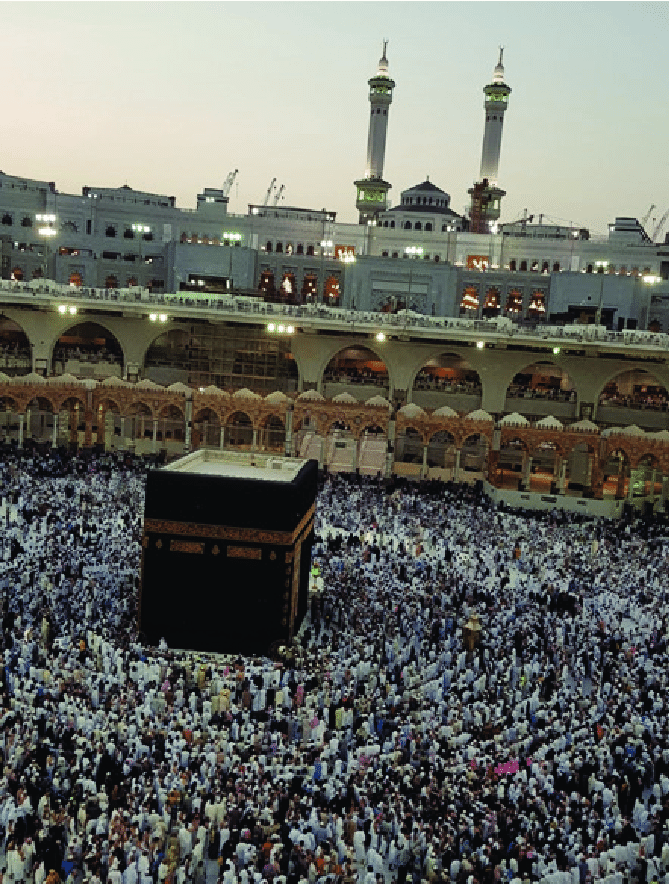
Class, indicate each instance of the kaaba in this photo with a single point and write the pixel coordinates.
(226, 551)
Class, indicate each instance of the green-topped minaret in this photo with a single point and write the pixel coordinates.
(372, 190)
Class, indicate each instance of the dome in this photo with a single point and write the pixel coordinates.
(345, 399)
(213, 390)
(379, 402)
(32, 378)
(445, 411)
(479, 415)
(4, 378)
(147, 384)
(276, 398)
(178, 387)
(550, 423)
(411, 410)
(64, 379)
(245, 393)
(311, 395)
(112, 381)
(514, 420)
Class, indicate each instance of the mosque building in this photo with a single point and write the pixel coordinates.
(415, 304)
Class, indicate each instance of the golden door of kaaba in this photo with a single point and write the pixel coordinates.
(226, 551)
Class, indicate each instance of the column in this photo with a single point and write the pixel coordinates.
(390, 449)
(54, 431)
(189, 421)
(527, 472)
(222, 438)
(88, 420)
(423, 471)
(255, 439)
(456, 469)
(288, 443)
(630, 487)
(74, 423)
(123, 445)
(29, 417)
(653, 479)
(562, 481)
(21, 420)
(354, 455)
(155, 436)
(665, 490)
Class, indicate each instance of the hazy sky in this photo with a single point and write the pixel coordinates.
(169, 97)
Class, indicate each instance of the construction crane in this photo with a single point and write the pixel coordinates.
(229, 181)
(645, 218)
(278, 195)
(659, 226)
(269, 191)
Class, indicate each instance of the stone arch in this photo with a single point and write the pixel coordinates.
(15, 347)
(441, 449)
(9, 418)
(167, 357)
(542, 379)
(359, 368)
(409, 445)
(206, 428)
(239, 430)
(272, 433)
(546, 461)
(474, 453)
(448, 371)
(39, 414)
(266, 282)
(470, 301)
(616, 472)
(331, 291)
(83, 345)
(635, 388)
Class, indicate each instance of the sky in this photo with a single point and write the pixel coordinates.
(170, 97)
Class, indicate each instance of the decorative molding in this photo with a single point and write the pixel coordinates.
(225, 532)
(187, 546)
(244, 552)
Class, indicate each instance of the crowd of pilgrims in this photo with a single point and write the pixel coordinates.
(382, 750)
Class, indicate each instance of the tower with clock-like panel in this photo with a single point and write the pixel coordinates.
(372, 190)
(486, 195)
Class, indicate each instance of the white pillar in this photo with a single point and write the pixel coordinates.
(188, 416)
(21, 419)
(288, 444)
(255, 439)
(456, 469)
(123, 445)
(155, 436)
(423, 472)
(222, 439)
(54, 432)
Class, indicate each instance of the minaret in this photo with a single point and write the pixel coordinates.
(486, 195)
(372, 190)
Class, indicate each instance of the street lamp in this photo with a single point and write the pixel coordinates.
(47, 230)
(230, 239)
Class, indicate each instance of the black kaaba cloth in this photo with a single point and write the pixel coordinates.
(226, 551)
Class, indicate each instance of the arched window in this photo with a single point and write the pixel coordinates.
(26, 221)
(428, 226)
(300, 249)
(556, 267)
(76, 280)
(310, 251)
(110, 231)
(512, 264)
(392, 223)
(268, 246)
(418, 226)
(523, 265)
(279, 247)
(111, 282)
(589, 268)
(407, 225)
(544, 267)
(17, 274)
